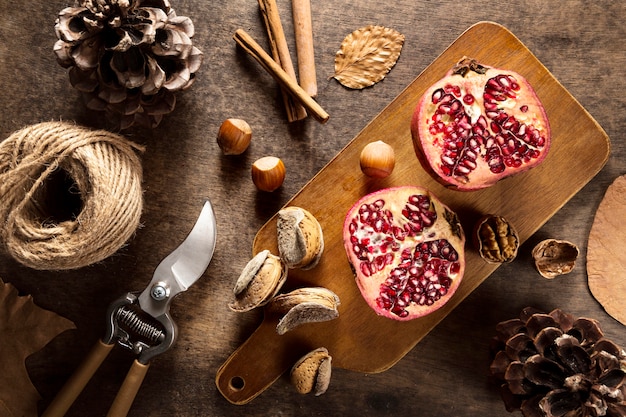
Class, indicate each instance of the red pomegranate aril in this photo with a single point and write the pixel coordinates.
(449, 117)
(414, 263)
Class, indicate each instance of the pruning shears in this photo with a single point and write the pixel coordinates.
(141, 322)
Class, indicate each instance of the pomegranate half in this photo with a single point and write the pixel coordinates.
(478, 125)
(406, 249)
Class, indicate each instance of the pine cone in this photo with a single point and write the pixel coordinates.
(127, 57)
(556, 365)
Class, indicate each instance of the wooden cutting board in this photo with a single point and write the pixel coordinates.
(359, 340)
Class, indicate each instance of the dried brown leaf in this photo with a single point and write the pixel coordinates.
(367, 55)
(24, 329)
(606, 258)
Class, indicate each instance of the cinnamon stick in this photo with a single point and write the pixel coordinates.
(246, 41)
(301, 10)
(280, 53)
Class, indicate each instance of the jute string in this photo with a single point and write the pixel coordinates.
(107, 174)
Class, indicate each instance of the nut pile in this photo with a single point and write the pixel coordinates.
(300, 245)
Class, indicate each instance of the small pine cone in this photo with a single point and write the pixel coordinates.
(553, 365)
(127, 57)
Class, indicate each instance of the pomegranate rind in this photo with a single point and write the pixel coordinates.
(430, 143)
(444, 228)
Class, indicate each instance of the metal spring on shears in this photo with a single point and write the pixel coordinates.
(139, 326)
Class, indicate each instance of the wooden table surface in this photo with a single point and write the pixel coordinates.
(581, 43)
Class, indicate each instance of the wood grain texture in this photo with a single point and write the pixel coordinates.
(370, 343)
(581, 44)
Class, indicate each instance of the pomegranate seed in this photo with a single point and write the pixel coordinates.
(447, 160)
(504, 81)
(462, 170)
(379, 263)
(490, 107)
(444, 109)
(455, 107)
(436, 97)
(468, 99)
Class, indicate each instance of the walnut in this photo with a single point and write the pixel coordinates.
(496, 239)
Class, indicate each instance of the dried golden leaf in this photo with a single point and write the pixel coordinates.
(606, 257)
(367, 55)
(24, 329)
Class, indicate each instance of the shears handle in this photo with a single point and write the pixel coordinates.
(77, 382)
(74, 386)
(126, 395)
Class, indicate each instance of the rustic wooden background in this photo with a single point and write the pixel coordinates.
(581, 43)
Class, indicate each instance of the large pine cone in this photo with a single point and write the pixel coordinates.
(556, 365)
(127, 57)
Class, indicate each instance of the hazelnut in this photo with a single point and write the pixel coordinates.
(377, 159)
(234, 136)
(268, 173)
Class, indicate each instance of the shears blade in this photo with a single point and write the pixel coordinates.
(189, 261)
(183, 266)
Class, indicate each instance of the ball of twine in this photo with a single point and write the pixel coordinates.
(102, 176)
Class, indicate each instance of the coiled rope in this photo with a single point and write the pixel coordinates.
(69, 196)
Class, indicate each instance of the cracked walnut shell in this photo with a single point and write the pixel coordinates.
(555, 257)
